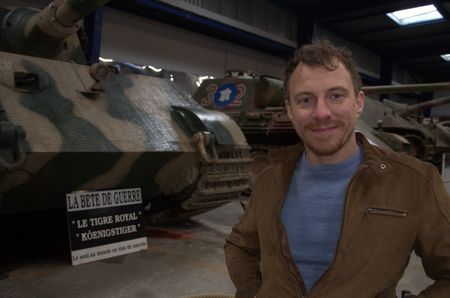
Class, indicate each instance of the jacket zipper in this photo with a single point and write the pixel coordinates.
(386, 211)
(283, 257)
(342, 227)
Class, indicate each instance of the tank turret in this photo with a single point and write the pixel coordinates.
(48, 33)
(68, 127)
(256, 103)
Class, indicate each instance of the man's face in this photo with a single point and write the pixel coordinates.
(323, 108)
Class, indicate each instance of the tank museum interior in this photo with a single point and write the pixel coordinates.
(132, 132)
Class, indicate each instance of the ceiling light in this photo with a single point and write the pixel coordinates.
(105, 59)
(415, 15)
(446, 57)
(154, 68)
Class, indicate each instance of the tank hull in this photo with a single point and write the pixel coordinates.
(122, 132)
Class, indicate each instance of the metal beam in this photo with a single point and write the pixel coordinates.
(93, 27)
(432, 66)
(179, 17)
(420, 50)
(343, 10)
(383, 33)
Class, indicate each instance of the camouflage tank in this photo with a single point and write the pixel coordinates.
(256, 103)
(66, 126)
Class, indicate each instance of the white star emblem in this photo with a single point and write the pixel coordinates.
(225, 95)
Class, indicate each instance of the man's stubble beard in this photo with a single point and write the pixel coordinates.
(324, 148)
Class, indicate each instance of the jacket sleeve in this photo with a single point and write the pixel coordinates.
(242, 253)
(433, 237)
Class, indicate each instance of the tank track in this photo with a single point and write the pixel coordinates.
(220, 181)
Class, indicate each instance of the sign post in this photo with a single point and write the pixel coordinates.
(105, 224)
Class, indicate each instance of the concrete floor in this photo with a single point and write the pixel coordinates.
(183, 259)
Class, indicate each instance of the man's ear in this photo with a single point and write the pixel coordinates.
(360, 99)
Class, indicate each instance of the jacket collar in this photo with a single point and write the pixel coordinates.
(374, 158)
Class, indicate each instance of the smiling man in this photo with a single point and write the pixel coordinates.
(336, 216)
(324, 107)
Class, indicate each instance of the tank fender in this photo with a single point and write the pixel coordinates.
(193, 120)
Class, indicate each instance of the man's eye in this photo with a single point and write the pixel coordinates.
(304, 101)
(336, 97)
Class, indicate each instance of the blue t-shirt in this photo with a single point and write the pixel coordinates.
(312, 213)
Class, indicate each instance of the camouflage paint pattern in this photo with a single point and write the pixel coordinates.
(122, 137)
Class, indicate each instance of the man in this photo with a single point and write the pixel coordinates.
(337, 217)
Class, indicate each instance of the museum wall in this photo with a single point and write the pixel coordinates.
(130, 38)
(143, 41)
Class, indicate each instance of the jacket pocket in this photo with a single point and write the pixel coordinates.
(386, 211)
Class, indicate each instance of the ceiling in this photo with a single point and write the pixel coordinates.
(415, 47)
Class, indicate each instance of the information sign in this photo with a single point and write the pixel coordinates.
(105, 224)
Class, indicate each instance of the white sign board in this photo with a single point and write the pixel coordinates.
(105, 224)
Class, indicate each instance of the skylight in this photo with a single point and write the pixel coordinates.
(446, 57)
(415, 15)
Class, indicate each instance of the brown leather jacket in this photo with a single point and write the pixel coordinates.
(394, 203)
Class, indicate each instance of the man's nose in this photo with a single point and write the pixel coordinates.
(321, 109)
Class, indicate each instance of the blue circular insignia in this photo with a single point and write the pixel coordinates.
(225, 94)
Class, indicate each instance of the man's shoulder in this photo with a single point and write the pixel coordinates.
(402, 161)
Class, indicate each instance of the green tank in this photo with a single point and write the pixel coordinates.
(66, 126)
(256, 103)
(428, 142)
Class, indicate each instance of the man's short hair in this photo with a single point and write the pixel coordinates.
(322, 53)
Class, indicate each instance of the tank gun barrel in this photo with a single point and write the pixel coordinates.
(42, 33)
(406, 88)
(423, 105)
